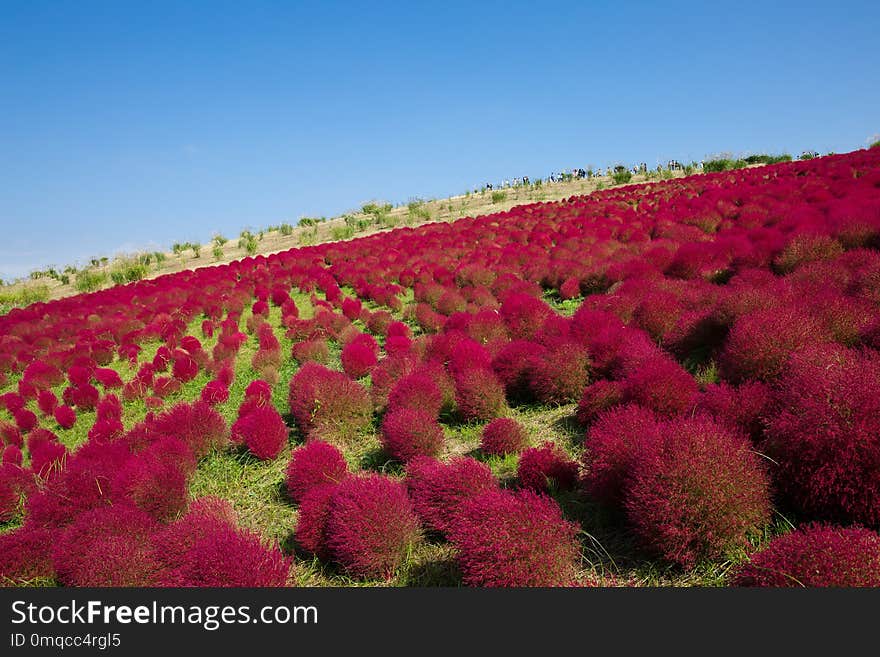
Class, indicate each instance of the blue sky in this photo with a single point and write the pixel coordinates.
(133, 125)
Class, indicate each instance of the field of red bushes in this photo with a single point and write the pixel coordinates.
(675, 382)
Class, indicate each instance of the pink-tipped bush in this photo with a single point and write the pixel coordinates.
(823, 430)
(198, 425)
(546, 468)
(408, 432)
(108, 546)
(263, 432)
(417, 391)
(518, 538)
(614, 441)
(479, 395)
(371, 526)
(47, 402)
(698, 494)
(503, 436)
(26, 556)
(314, 464)
(814, 556)
(65, 416)
(311, 523)
(662, 385)
(360, 356)
(760, 343)
(561, 374)
(596, 398)
(327, 404)
(214, 392)
(438, 489)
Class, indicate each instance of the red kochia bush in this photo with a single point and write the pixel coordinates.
(360, 356)
(662, 385)
(760, 343)
(700, 492)
(823, 430)
(214, 393)
(546, 468)
(371, 525)
(327, 404)
(154, 483)
(561, 374)
(518, 538)
(816, 555)
(612, 445)
(479, 395)
(596, 398)
(311, 523)
(25, 556)
(198, 425)
(438, 489)
(108, 546)
(47, 402)
(503, 436)
(263, 432)
(205, 548)
(524, 314)
(314, 464)
(417, 391)
(408, 432)
(65, 416)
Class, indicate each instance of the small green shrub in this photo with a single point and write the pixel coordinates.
(285, 229)
(89, 280)
(498, 197)
(217, 252)
(621, 176)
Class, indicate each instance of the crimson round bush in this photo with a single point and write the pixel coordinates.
(153, 484)
(503, 436)
(662, 385)
(197, 424)
(823, 430)
(479, 395)
(817, 555)
(612, 445)
(407, 433)
(263, 432)
(417, 391)
(314, 464)
(311, 523)
(328, 405)
(514, 538)
(598, 397)
(371, 526)
(108, 546)
(359, 356)
(438, 489)
(698, 494)
(546, 468)
(205, 548)
(561, 374)
(26, 556)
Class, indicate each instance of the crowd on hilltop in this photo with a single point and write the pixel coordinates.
(580, 173)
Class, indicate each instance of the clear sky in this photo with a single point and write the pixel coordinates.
(128, 125)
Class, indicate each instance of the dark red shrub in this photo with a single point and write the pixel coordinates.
(154, 485)
(617, 436)
(109, 378)
(327, 404)
(25, 419)
(65, 416)
(47, 402)
(598, 397)
(314, 464)
(197, 424)
(524, 315)
(409, 432)
(823, 430)
(760, 343)
(479, 395)
(108, 546)
(26, 556)
(371, 526)
(518, 538)
(503, 436)
(12, 454)
(816, 555)
(560, 375)
(360, 356)
(700, 492)
(214, 392)
(438, 489)
(311, 523)
(662, 385)
(742, 408)
(546, 468)
(47, 454)
(315, 350)
(263, 432)
(417, 391)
